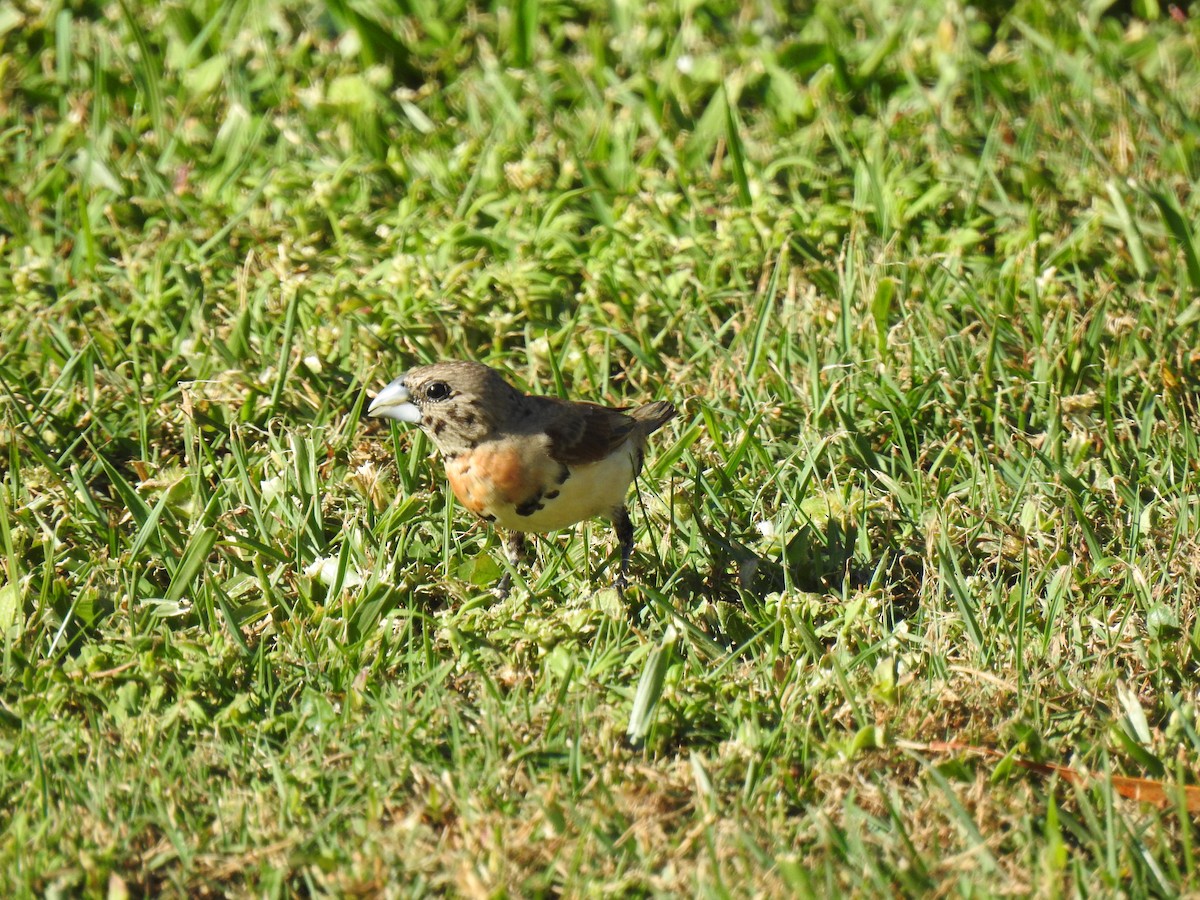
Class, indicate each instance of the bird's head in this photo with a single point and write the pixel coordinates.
(456, 403)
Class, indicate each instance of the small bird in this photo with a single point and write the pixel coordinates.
(523, 462)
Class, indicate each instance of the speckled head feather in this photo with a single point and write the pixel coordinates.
(461, 403)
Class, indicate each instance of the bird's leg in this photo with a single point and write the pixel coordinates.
(514, 550)
(624, 529)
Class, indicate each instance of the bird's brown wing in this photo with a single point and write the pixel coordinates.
(584, 432)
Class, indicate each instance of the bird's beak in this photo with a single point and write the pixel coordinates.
(393, 403)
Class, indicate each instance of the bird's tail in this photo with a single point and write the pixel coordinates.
(653, 416)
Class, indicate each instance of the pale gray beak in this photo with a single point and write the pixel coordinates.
(393, 403)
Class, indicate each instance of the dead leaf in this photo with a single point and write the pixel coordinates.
(1147, 790)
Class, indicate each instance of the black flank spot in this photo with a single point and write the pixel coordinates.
(551, 495)
(488, 518)
(530, 506)
(564, 475)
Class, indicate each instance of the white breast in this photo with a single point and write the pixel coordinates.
(594, 489)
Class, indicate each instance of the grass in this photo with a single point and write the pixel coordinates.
(922, 280)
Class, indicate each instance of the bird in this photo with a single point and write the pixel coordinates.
(523, 462)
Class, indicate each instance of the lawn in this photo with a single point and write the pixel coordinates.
(915, 593)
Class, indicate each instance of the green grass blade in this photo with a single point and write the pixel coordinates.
(193, 562)
(649, 689)
(1182, 233)
(737, 149)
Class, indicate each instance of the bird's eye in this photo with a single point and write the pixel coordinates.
(439, 390)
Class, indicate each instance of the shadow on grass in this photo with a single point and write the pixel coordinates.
(823, 558)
